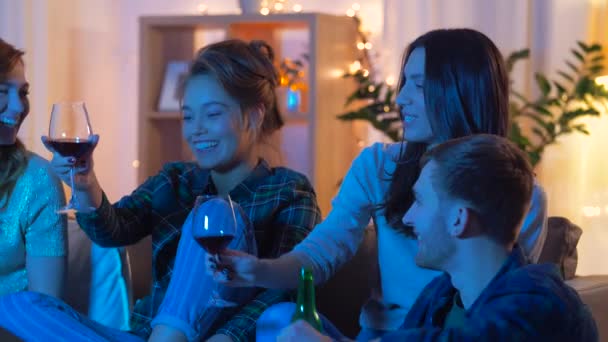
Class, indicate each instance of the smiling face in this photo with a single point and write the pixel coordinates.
(410, 99)
(213, 125)
(435, 244)
(14, 103)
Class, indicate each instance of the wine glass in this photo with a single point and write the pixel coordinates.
(213, 227)
(70, 135)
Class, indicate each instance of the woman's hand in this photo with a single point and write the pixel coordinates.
(233, 268)
(84, 176)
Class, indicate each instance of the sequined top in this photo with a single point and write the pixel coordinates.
(29, 224)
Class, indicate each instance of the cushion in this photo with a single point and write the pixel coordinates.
(560, 245)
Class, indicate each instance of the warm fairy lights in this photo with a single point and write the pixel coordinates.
(202, 8)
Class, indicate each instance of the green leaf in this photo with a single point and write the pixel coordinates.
(581, 128)
(597, 58)
(539, 120)
(542, 110)
(595, 47)
(596, 69)
(553, 102)
(566, 76)
(578, 55)
(534, 157)
(539, 133)
(560, 88)
(543, 84)
(572, 66)
(583, 46)
(573, 114)
(515, 56)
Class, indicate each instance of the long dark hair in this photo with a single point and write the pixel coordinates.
(466, 91)
(13, 158)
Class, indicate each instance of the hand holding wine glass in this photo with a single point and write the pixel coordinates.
(214, 226)
(72, 141)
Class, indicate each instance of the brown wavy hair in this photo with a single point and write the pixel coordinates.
(247, 73)
(13, 158)
(466, 91)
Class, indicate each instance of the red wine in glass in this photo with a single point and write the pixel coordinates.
(72, 147)
(215, 244)
(70, 135)
(214, 227)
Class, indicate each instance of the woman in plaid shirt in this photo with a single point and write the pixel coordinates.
(229, 111)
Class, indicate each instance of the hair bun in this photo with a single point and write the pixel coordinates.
(262, 48)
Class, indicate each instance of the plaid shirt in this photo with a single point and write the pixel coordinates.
(281, 204)
(522, 303)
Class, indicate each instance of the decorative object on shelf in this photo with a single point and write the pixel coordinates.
(169, 96)
(292, 85)
(251, 6)
(553, 113)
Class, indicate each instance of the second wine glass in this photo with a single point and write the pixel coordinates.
(214, 227)
(70, 135)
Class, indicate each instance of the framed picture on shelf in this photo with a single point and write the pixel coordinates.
(175, 72)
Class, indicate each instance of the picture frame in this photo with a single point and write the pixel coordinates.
(175, 72)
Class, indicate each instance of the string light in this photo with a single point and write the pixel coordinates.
(202, 8)
(264, 11)
(297, 8)
(371, 88)
(350, 12)
(360, 45)
(354, 67)
(365, 73)
(592, 211)
(368, 46)
(278, 6)
(356, 6)
(390, 80)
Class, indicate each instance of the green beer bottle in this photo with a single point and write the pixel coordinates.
(306, 308)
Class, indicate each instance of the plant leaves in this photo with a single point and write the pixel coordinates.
(596, 69)
(539, 133)
(560, 88)
(543, 84)
(578, 55)
(542, 110)
(572, 66)
(581, 128)
(582, 45)
(566, 76)
(515, 56)
(595, 47)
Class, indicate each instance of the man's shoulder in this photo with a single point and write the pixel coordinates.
(541, 281)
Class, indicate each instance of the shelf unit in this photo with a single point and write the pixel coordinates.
(313, 142)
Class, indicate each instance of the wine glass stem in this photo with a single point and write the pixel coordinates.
(73, 197)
